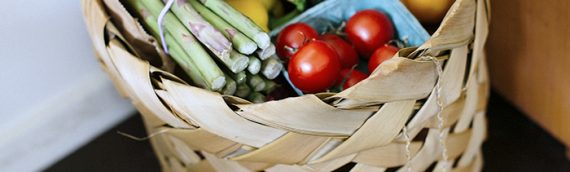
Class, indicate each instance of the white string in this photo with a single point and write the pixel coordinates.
(440, 114)
(160, 26)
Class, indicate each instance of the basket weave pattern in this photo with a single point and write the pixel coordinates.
(389, 120)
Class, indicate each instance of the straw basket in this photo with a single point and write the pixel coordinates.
(422, 110)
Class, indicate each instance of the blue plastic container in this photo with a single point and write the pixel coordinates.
(334, 12)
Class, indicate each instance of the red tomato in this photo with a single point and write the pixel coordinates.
(380, 55)
(368, 30)
(351, 78)
(293, 37)
(346, 53)
(314, 68)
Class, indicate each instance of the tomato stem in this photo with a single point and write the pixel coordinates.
(290, 49)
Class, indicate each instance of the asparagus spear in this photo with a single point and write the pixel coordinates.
(239, 21)
(201, 29)
(240, 77)
(186, 64)
(243, 90)
(240, 42)
(230, 87)
(237, 62)
(256, 97)
(271, 67)
(256, 82)
(254, 65)
(198, 65)
(269, 86)
(267, 52)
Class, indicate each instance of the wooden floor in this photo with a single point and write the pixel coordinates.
(514, 144)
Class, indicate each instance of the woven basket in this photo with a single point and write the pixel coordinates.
(408, 115)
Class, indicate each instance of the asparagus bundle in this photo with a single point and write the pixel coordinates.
(195, 28)
(188, 53)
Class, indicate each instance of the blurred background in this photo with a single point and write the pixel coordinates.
(55, 98)
(57, 102)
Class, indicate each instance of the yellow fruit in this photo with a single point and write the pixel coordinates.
(253, 9)
(428, 11)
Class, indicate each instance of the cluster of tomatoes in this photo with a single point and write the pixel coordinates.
(319, 62)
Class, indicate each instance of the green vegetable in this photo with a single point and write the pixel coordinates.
(263, 54)
(243, 90)
(254, 65)
(299, 4)
(185, 50)
(202, 30)
(270, 86)
(271, 67)
(239, 21)
(284, 19)
(237, 62)
(240, 42)
(256, 97)
(240, 77)
(256, 82)
(230, 87)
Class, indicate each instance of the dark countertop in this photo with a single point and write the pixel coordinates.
(514, 144)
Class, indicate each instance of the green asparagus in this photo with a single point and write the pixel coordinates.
(254, 65)
(271, 67)
(243, 90)
(269, 86)
(240, 77)
(240, 42)
(237, 62)
(256, 97)
(256, 82)
(198, 65)
(201, 29)
(239, 21)
(267, 52)
(230, 87)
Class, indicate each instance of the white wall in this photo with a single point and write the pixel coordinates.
(51, 85)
